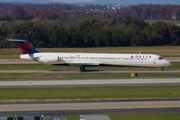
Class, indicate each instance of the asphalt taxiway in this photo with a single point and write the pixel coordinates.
(88, 82)
(70, 106)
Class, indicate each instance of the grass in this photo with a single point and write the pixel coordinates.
(30, 76)
(150, 116)
(80, 76)
(89, 93)
(166, 51)
(137, 116)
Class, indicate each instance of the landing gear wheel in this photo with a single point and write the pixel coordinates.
(82, 69)
(162, 69)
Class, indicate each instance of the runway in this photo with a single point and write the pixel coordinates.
(89, 83)
(88, 106)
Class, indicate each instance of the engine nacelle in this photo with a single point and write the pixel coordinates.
(53, 59)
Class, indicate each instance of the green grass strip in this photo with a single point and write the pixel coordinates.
(165, 51)
(90, 93)
(80, 76)
(137, 116)
(157, 116)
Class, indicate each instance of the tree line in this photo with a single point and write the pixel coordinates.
(22, 11)
(91, 33)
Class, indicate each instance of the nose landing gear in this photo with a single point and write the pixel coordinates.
(82, 69)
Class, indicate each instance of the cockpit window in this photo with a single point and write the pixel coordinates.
(160, 58)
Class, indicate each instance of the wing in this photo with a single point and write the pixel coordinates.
(83, 63)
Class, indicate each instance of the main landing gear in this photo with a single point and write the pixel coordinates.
(162, 69)
(82, 69)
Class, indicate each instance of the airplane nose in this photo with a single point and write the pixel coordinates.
(167, 63)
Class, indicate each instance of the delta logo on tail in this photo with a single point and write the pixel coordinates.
(24, 45)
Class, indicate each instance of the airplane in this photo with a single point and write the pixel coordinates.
(29, 52)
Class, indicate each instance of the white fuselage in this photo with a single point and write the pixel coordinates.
(88, 59)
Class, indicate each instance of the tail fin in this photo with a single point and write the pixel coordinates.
(24, 45)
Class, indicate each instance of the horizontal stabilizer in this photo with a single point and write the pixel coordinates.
(18, 40)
